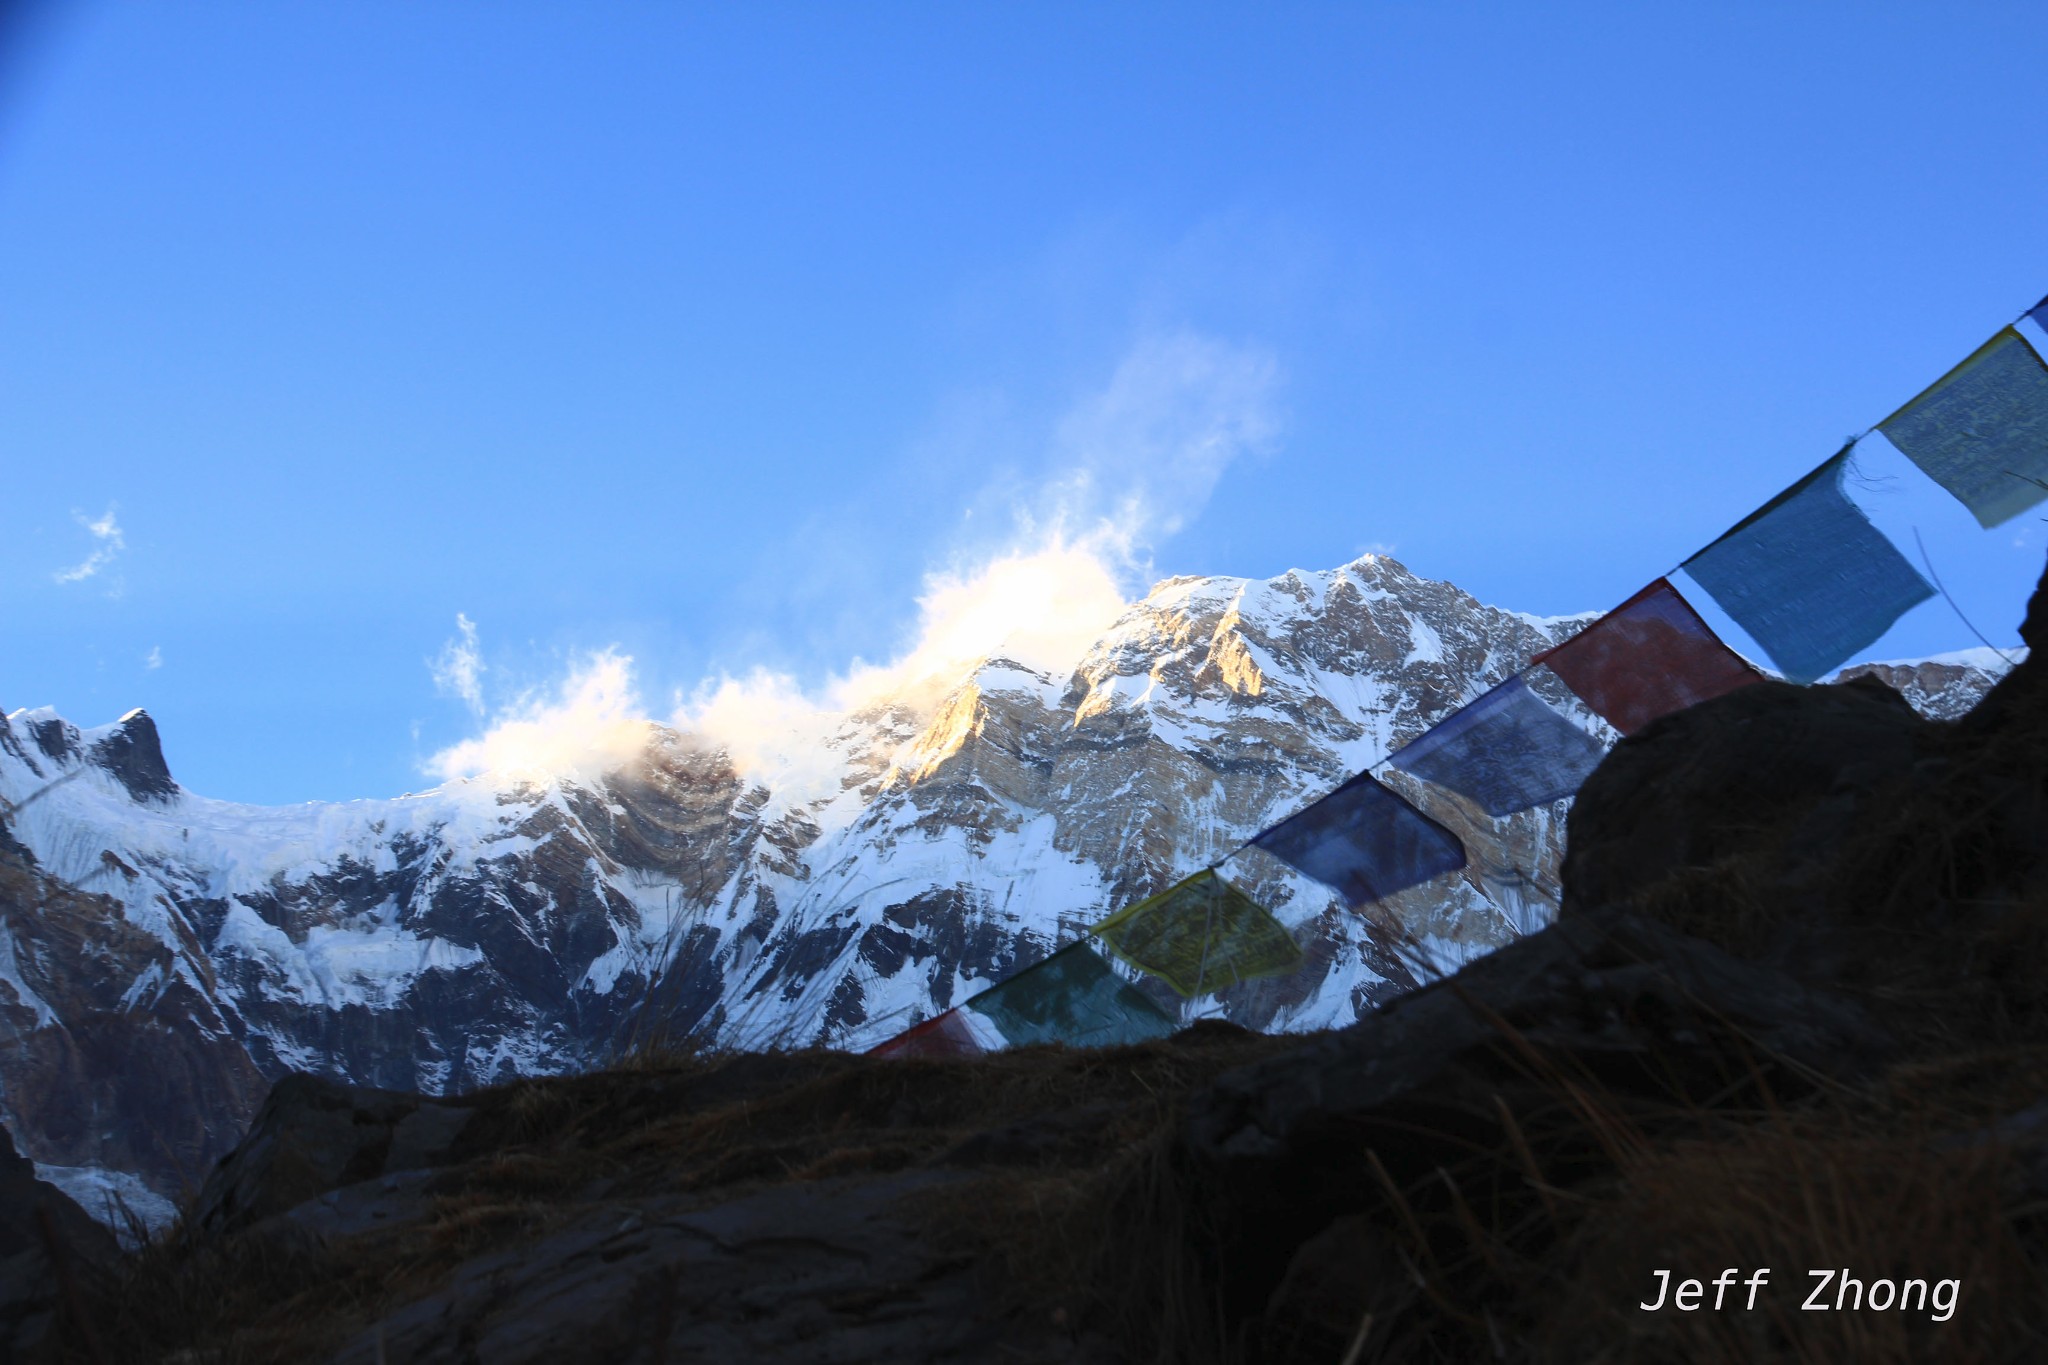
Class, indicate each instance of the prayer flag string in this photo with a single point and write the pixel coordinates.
(1806, 575)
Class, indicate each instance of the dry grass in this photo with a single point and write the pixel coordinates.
(1540, 1248)
(1512, 1252)
(1794, 1194)
(1725, 904)
(1114, 1245)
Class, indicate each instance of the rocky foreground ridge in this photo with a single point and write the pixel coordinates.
(1791, 1017)
(165, 957)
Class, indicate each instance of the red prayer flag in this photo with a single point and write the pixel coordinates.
(1650, 656)
(943, 1035)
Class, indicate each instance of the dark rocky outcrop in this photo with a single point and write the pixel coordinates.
(793, 1207)
(1796, 923)
(313, 1136)
(1770, 764)
(52, 1256)
(134, 754)
(830, 1271)
(1651, 1020)
(1794, 919)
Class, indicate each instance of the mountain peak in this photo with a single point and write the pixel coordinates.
(132, 752)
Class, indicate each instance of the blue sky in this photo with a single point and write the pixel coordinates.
(709, 335)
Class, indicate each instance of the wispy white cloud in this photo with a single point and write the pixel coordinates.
(108, 543)
(459, 668)
(1129, 465)
(155, 658)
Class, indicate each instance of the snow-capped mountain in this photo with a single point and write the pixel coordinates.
(163, 956)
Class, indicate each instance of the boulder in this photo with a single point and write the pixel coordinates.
(1767, 767)
(313, 1136)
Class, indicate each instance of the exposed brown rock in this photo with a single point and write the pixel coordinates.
(155, 1085)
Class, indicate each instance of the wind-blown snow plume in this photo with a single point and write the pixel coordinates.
(1041, 609)
(108, 544)
(1144, 455)
(1130, 465)
(458, 668)
(593, 722)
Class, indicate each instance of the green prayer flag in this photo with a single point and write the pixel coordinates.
(1074, 998)
(1200, 935)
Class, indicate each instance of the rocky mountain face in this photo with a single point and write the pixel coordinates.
(164, 956)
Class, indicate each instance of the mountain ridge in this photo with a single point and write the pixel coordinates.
(482, 931)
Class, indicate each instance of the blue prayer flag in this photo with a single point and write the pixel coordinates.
(1365, 841)
(1808, 576)
(1507, 751)
(1071, 997)
(1981, 430)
